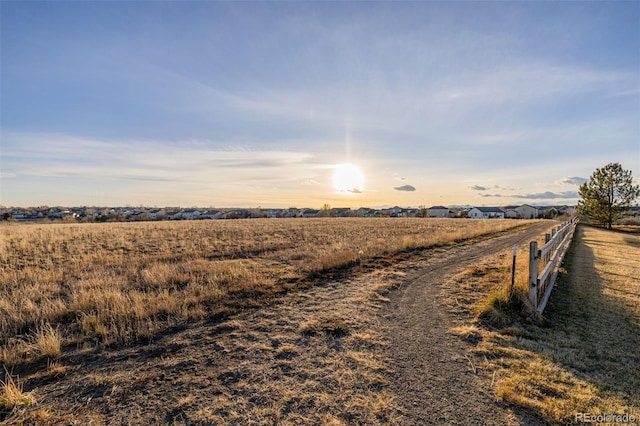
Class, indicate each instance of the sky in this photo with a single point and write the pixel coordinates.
(246, 104)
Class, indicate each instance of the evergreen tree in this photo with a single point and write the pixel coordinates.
(608, 193)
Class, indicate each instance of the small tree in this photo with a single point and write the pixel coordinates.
(423, 211)
(326, 210)
(609, 192)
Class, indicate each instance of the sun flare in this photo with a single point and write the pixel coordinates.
(348, 178)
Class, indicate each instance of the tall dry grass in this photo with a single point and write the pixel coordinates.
(12, 394)
(120, 282)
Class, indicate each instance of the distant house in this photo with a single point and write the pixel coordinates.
(310, 213)
(364, 212)
(526, 211)
(293, 212)
(191, 214)
(275, 213)
(176, 215)
(239, 214)
(394, 211)
(131, 214)
(511, 213)
(408, 213)
(570, 209)
(216, 214)
(486, 213)
(440, 211)
(18, 214)
(153, 214)
(340, 212)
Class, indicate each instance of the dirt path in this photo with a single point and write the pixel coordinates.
(435, 377)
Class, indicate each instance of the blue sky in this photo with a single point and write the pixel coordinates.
(256, 103)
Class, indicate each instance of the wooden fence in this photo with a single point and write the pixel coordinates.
(545, 262)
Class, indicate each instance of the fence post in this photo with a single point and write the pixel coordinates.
(533, 273)
(547, 237)
(513, 272)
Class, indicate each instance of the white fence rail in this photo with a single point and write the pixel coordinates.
(545, 262)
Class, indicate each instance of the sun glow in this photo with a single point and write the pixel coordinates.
(348, 178)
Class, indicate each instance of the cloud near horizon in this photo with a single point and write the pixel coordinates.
(409, 188)
(478, 188)
(547, 195)
(572, 180)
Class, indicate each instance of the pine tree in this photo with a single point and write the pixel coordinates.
(608, 193)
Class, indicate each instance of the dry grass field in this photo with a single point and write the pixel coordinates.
(584, 356)
(74, 287)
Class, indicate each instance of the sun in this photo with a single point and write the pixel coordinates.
(348, 178)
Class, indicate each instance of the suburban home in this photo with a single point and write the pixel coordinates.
(131, 214)
(310, 213)
(340, 212)
(440, 211)
(275, 213)
(293, 212)
(239, 214)
(191, 214)
(511, 213)
(216, 214)
(365, 212)
(154, 214)
(527, 212)
(486, 213)
(393, 211)
(409, 213)
(18, 214)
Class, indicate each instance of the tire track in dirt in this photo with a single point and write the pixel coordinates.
(435, 379)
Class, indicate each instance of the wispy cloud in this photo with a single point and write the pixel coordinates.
(62, 156)
(486, 188)
(548, 195)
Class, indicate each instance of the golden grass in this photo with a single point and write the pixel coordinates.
(47, 341)
(586, 360)
(126, 282)
(122, 282)
(11, 394)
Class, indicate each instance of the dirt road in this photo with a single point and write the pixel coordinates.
(435, 376)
